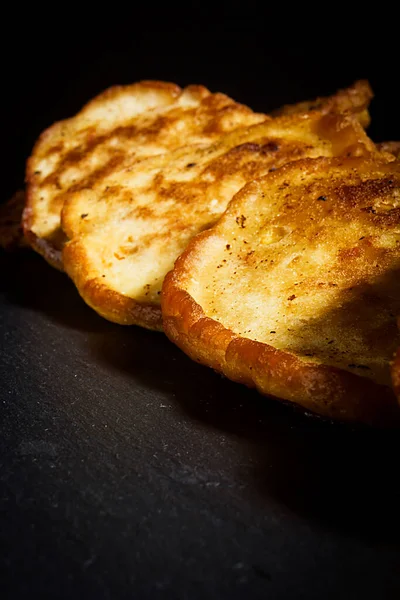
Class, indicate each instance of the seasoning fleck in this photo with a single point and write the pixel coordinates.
(241, 221)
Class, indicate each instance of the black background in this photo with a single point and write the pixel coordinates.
(263, 56)
(126, 470)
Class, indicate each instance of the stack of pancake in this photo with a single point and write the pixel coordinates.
(265, 246)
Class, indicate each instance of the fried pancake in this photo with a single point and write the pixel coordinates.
(354, 99)
(11, 233)
(123, 123)
(391, 147)
(127, 231)
(295, 290)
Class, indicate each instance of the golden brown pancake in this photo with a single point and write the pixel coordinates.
(354, 99)
(126, 232)
(296, 289)
(119, 125)
(11, 233)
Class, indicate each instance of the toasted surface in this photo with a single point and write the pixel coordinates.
(391, 147)
(127, 232)
(121, 124)
(11, 233)
(354, 99)
(296, 290)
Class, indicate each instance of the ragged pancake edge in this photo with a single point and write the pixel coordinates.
(169, 94)
(51, 254)
(346, 136)
(391, 147)
(354, 99)
(322, 389)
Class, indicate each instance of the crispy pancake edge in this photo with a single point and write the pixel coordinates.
(354, 99)
(42, 246)
(391, 147)
(325, 390)
(108, 303)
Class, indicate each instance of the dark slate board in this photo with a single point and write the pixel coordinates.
(128, 469)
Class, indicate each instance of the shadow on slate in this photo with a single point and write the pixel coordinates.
(28, 281)
(343, 477)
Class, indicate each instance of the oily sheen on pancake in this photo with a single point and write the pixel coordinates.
(354, 99)
(126, 232)
(295, 291)
(123, 123)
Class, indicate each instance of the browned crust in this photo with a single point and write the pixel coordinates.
(46, 248)
(322, 389)
(106, 302)
(42, 246)
(391, 147)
